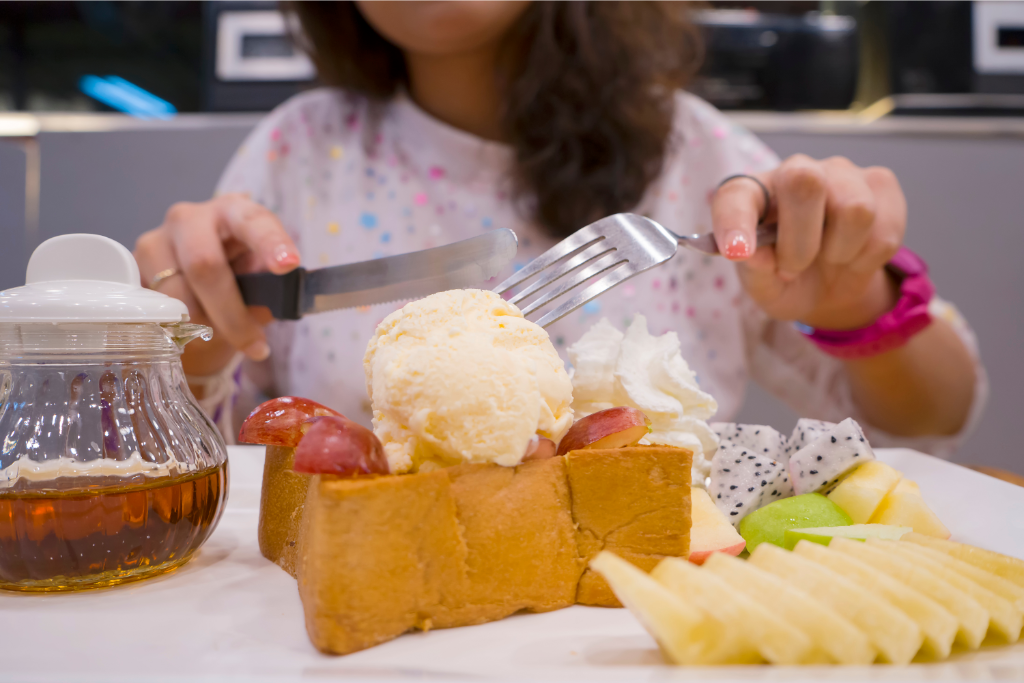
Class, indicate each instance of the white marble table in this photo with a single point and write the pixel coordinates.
(232, 615)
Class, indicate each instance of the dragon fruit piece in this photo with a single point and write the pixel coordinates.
(743, 481)
(806, 431)
(759, 439)
(822, 462)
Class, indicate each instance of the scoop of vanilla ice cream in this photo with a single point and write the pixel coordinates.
(642, 371)
(461, 376)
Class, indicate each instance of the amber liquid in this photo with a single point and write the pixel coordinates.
(70, 540)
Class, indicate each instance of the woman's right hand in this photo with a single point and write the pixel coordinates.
(208, 244)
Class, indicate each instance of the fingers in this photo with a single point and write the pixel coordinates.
(735, 210)
(800, 186)
(890, 221)
(259, 231)
(195, 232)
(849, 214)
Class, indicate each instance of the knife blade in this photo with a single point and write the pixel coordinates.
(417, 274)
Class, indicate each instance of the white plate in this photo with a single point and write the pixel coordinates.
(231, 614)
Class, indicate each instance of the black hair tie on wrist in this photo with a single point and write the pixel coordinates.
(764, 188)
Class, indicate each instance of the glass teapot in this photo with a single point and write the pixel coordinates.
(109, 470)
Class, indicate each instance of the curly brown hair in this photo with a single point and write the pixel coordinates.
(588, 94)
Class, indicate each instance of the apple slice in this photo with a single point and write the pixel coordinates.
(278, 422)
(832, 634)
(686, 633)
(895, 635)
(972, 618)
(540, 448)
(1010, 568)
(778, 641)
(935, 621)
(612, 428)
(857, 532)
(337, 445)
(710, 531)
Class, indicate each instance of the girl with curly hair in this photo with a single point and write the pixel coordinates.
(442, 120)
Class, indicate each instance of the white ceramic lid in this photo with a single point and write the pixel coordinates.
(86, 278)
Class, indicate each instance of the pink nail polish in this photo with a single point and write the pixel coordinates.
(737, 246)
(285, 256)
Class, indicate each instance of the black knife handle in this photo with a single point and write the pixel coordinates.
(282, 294)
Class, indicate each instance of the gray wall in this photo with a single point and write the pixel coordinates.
(964, 192)
(966, 217)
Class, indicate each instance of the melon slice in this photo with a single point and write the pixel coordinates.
(896, 637)
(1010, 568)
(1004, 619)
(778, 641)
(861, 492)
(972, 619)
(937, 625)
(685, 633)
(904, 506)
(831, 633)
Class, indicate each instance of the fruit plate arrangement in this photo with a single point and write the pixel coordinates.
(231, 614)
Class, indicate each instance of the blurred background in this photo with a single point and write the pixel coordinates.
(112, 111)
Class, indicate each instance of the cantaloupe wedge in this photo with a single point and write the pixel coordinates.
(778, 641)
(895, 635)
(972, 618)
(1005, 619)
(831, 633)
(937, 625)
(1010, 568)
(685, 633)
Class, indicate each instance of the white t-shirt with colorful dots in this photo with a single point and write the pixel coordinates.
(350, 188)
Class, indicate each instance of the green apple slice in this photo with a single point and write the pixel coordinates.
(857, 532)
(769, 524)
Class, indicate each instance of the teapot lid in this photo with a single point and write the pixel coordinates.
(86, 278)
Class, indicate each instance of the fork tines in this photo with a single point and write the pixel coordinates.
(572, 262)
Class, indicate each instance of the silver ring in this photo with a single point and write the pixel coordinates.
(767, 194)
(161, 276)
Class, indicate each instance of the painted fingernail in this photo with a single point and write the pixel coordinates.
(258, 350)
(285, 256)
(737, 246)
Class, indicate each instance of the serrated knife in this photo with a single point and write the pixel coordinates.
(469, 263)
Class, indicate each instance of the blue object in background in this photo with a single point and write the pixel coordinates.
(125, 96)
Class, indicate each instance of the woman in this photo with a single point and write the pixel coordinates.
(448, 119)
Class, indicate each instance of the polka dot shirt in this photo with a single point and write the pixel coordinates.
(349, 186)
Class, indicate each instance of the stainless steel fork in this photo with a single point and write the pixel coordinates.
(605, 253)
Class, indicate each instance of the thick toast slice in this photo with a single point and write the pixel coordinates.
(378, 556)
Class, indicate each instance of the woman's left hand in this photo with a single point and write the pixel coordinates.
(838, 225)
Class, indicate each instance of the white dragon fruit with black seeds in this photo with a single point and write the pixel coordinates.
(822, 462)
(806, 431)
(743, 480)
(760, 439)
